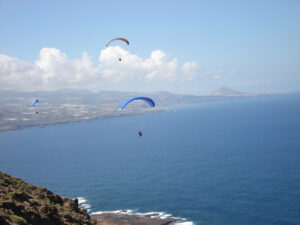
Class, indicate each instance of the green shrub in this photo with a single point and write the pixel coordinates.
(19, 220)
(48, 202)
(12, 195)
(58, 206)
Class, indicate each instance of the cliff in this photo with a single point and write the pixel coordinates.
(24, 203)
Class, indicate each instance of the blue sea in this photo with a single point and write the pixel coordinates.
(234, 162)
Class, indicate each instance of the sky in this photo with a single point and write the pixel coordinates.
(184, 46)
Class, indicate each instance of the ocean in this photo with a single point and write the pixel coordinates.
(234, 162)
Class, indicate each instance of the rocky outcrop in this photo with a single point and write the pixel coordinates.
(24, 203)
(125, 219)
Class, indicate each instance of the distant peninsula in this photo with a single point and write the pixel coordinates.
(65, 106)
(225, 91)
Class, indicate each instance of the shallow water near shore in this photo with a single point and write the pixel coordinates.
(229, 162)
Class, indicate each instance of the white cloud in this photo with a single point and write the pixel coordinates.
(54, 70)
(17, 74)
(156, 68)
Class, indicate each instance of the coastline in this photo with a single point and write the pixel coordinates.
(123, 218)
(21, 117)
(79, 120)
(25, 203)
(132, 217)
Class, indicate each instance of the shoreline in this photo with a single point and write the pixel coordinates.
(132, 217)
(124, 218)
(43, 125)
(45, 119)
(25, 203)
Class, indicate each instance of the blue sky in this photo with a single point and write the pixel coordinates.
(245, 45)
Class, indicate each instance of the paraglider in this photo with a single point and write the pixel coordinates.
(35, 101)
(145, 99)
(118, 39)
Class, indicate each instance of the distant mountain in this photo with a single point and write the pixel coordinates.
(225, 91)
(84, 97)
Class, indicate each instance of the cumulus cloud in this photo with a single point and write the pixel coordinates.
(158, 67)
(54, 70)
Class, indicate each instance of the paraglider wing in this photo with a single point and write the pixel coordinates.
(34, 102)
(146, 99)
(120, 39)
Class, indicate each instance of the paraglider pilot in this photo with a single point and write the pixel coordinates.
(146, 99)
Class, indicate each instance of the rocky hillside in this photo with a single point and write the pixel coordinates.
(23, 203)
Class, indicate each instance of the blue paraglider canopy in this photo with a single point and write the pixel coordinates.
(146, 99)
(34, 102)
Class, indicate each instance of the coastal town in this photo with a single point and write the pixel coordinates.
(65, 106)
(48, 114)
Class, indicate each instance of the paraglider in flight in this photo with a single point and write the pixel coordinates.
(146, 99)
(118, 39)
(33, 104)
